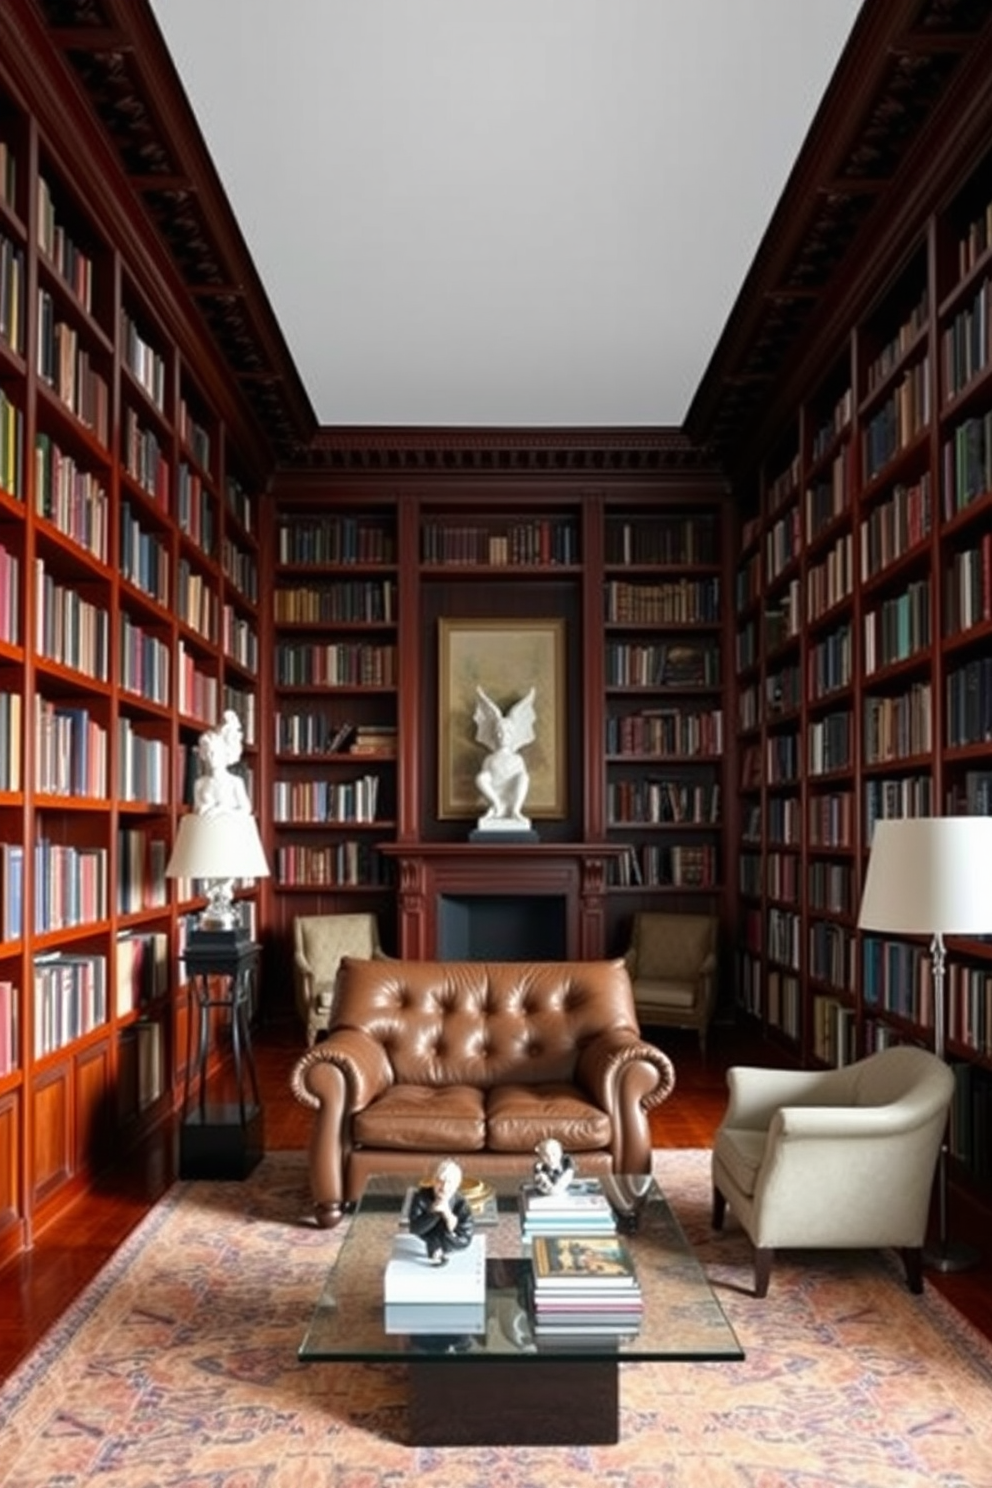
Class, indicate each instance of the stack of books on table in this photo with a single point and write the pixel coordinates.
(423, 1297)
(584, 1287)
(582, 1209)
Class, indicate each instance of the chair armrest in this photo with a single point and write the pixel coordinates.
(800, 1123)
(601, 1065)
(756, 1094)
(361, 1061)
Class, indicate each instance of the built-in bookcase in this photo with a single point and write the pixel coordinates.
(335, 734)
(867, 691)
(662, 621)
(129, 593)
(364, 588)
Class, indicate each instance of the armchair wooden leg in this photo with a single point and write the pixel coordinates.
(762, 1269)
(912, 1257)
(719, 1208)
(328, 1215)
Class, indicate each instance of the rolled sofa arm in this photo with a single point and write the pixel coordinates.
(361, 1060)
(342, 1075)
(628, 1078)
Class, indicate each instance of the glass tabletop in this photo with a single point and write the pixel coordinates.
(681, 1319)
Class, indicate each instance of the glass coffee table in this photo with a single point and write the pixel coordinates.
(501, 1384)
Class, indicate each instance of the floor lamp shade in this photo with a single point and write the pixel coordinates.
(932, 875)
(929, 875)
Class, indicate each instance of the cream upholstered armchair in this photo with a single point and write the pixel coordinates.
(672, 966)
(319, 942)
(839, 1158)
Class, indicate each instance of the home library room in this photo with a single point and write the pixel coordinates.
(128, 621)
(864, 681)
(371, 574)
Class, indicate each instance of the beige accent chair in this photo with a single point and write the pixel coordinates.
(319, 943)
(840, 1158)
(672, 966)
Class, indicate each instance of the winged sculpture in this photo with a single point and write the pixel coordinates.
(503, 780)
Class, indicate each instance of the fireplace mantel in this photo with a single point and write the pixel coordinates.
(573, 872)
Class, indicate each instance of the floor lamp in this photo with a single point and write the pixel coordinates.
(932, 875)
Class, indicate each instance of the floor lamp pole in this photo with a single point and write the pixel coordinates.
(946, 1257)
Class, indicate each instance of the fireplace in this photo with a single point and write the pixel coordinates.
(502, 927)
(509, 901)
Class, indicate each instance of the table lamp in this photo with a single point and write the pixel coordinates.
(218, 847)
(932, 875)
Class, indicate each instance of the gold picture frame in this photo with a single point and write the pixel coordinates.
(505, 658)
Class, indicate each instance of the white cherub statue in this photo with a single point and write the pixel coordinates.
(217, 789)
(503, 779)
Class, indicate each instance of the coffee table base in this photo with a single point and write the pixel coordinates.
(454, 1403)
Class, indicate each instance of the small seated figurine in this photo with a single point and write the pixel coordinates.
(440, 1215)
(554, 1169)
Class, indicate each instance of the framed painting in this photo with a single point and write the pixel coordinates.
(506, 658)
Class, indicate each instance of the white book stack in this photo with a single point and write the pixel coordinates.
(583, 1209)
(423, 1297)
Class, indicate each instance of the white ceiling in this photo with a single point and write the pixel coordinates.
(506, 213)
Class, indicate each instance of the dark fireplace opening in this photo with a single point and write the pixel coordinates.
(502, 927)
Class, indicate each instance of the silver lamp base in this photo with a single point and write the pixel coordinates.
(950, 1257)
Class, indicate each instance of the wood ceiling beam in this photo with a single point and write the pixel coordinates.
(146, 184)
(217, 291)
(91, 39)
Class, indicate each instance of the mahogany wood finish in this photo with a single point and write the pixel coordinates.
(38, 1285)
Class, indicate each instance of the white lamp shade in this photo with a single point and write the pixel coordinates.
(929, 875)
(225, 844)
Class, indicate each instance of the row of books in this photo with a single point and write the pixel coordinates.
(240, 568)
(73, 499)
(662, 665)
(314, 542)
(662, 540)
(354, 664)
(305, 734)
(195, 512)
(662, 801)
(146, 365)
(368, 601)
(341, 865)
(665, 731)
(681, 866)
(11, 447)
(680, 601)
(542, 541)
(326, 800)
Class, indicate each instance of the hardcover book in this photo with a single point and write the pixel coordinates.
(602, 1261)
(412, 1277)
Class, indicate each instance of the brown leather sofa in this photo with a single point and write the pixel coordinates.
(477, 1060)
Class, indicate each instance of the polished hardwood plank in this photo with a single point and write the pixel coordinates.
(36, 1287)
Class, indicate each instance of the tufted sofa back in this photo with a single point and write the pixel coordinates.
(483, 1023)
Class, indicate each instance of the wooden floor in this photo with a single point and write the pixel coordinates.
(36, 1287)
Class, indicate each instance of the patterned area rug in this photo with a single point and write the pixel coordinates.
(177, 1369)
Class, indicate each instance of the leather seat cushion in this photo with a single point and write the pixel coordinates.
(520, 1116)
(425, 1118)
(740, 1153)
